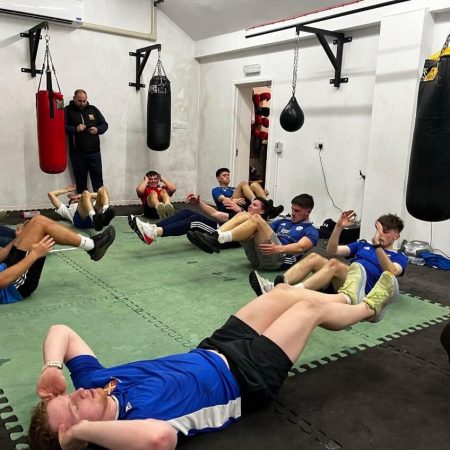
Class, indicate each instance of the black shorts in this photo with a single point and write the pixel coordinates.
(259, 365)
(27, 283)
(150, 212)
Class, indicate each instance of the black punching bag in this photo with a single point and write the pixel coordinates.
(428, 190)
(292, 117)
(158, 110)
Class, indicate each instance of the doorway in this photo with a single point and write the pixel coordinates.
(252, 131)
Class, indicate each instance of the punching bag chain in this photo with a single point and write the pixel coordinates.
(159, 69)
(48, 59)
(294, 76)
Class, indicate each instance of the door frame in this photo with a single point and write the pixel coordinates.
(238, 99)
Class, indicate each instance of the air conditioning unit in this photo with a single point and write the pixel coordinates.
(69, 12)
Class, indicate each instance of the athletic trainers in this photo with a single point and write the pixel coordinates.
(101, 243)
(259, 284)
(355, 283)
(169, 210)
(97, 219)
(206, 242)
(275, 211)
(384, 291)
(279, 279)
(161, 210)
(108, 215)
(145, 231)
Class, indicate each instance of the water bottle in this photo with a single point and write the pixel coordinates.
(415, 260)
(28, 214)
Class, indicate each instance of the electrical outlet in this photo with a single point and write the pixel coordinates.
(318, 145)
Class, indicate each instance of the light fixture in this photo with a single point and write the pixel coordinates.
(252, 68)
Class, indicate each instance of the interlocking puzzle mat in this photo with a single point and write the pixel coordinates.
(143, 301)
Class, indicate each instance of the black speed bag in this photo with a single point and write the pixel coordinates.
(292, 117)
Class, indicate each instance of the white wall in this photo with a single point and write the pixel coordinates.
(100, 64)
(364, 125)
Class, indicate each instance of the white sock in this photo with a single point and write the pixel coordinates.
(86, 243)
(91, 213)
(225, 236)
(299, 285)
(347, 298)
(105, 207)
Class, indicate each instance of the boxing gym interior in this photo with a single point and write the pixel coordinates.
(347, 101)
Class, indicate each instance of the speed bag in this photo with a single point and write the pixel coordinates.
(428, 189)
(158, 113)
(292, 117)
(51, 131)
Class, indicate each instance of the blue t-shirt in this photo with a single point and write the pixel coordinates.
(8, 294)
(364, 253)
(290, 233)
(194, 392)
(216, 192)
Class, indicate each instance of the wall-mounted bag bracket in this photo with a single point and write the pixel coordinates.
(141, 55)
(34, 35)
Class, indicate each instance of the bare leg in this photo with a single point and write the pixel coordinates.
(291, 330)
(102, 199)
(164, 197)
(235, 221)
(258, 190)
(85, 205)
(254, 225)
(152, 199)
(262, 312)
(299, 271)
(333, 271)
(38, 227)
(243, 191)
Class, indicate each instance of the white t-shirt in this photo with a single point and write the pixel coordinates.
(67, 212)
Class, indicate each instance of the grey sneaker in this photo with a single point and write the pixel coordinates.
(259, 284)
(101, 243)
(355, 283)
(384, 291)
(161, 210)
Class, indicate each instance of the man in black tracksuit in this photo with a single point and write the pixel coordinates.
(84, 124)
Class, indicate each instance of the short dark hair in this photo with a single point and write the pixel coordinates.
(304, 201)
(40, 437)
(221, 170)
(151, 173)
(265, 206)
(391, 222)
(80, 91)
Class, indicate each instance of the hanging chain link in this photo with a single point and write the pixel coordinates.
(159, 69)
(447, 41)
(48, 59)
(294, 76)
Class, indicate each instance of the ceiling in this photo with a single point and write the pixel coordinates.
(202, 19)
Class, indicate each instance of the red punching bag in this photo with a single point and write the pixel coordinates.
(50, 124)
(51, 131)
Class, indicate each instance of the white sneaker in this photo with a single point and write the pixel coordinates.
(259, 284)
(145, 231)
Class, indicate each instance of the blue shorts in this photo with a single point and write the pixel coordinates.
(82, 223)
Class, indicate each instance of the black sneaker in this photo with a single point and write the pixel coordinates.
(275, 211)
(108, 215)
(206, 242)
(101, 243)
(98, 221)
(279, 279)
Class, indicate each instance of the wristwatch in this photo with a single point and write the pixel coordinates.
(57, 364)
(377, 246)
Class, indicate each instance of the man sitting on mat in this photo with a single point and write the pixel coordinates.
(241, 367)
(268, 246)
(186, 220)
(22, 260)
(81, 210)
(375, 257)
(243, 194)
(155, 192)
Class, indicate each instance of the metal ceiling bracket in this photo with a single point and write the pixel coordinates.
(336, 60)
(142, 55)
(34, 35)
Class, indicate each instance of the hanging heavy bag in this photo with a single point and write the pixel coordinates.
(428, 189)
(292, 117)
(50, 122)
(158, 110)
